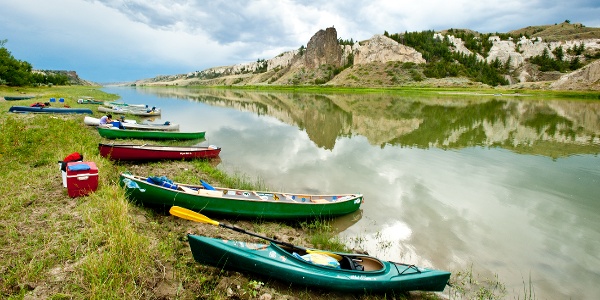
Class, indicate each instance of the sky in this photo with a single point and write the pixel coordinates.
(107, 41)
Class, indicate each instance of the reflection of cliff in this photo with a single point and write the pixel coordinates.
(322, 120)
(555, 127)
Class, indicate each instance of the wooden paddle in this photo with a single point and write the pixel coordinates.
(187, 214)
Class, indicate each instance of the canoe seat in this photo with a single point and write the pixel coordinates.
(319, 201)
(210, 193)
(360, 263)
(371, 264)
(349, 264)
(187, 189)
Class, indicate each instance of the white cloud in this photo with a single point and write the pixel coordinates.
(133, 39)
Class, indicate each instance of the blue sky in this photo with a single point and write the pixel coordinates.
(124, 40)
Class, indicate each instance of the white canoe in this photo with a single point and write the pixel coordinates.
(137, 112)
(125, 105)
(131, 124)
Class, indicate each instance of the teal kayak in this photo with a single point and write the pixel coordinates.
(353, 273)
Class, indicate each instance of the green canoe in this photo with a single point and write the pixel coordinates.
(238, 203)
(355, 273)
(115, 133)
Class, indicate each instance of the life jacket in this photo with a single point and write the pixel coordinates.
(75, 156)
(37, 104)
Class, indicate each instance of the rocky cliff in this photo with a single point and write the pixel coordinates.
(382, 62)
(323, 49)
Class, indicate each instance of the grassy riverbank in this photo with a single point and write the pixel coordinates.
(105, 247)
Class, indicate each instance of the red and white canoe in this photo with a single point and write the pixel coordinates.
(156, 152)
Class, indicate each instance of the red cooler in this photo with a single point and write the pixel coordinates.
(82, 178)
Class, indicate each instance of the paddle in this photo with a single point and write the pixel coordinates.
(187, 214)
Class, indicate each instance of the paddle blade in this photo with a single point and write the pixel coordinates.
(187, 214)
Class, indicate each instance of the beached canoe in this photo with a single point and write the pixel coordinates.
(156, 152)
(355, 273)
(89, 101)
(239, 203)
(115, 133)
(136, 111)
(125, 105)
(13, 98)
(49, 110)
(132, 124)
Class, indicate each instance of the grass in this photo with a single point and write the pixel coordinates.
(105, 247)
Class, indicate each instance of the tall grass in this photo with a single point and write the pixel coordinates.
(83, 248)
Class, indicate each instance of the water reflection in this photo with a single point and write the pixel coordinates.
(557, 127)
(508, 185)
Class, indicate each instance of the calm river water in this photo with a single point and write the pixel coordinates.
(499, 185)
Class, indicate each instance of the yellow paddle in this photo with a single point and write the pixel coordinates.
(187, 214)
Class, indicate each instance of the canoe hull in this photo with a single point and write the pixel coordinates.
(155, 152)
(273, 261)
(111, 133)
(89, 101)
(13, 98)
(239, 203)
(49, 110)
(133, 111)
(128, 124)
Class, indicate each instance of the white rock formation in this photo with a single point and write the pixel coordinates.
(588, 77)
(383, 49)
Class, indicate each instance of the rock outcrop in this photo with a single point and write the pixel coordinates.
(586, 78)
(323, 49)
(383, 49)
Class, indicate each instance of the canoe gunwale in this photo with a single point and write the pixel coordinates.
(49, 110)
(91, 121)
(157, 147)
(137, 112)
(233, 202)
(115, 133)
(255, 193)
(144, 152)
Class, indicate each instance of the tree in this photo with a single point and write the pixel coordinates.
(558, 53)
(13, 72)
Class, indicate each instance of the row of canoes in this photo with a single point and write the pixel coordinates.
(106, 107)
(80, 110)
(347, 272)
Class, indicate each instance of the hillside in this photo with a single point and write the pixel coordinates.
(560, 56)
(559, 32)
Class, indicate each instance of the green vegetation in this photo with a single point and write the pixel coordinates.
(349, 42)
(442, 62)
(557, 63)
(14, 72)
(262, 66)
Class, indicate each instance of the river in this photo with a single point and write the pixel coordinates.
(505, 186)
